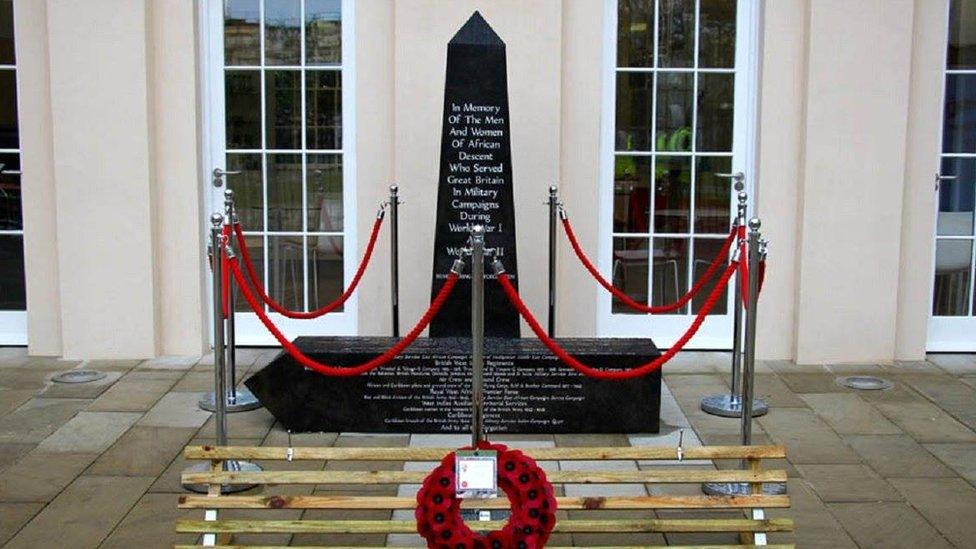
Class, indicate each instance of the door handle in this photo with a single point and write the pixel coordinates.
(738, 179)
(939, 178)
(218, 176)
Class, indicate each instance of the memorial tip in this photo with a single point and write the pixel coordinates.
(477, 31)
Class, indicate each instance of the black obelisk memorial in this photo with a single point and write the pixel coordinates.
(475, 184)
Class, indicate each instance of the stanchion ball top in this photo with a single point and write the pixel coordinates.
(552, 189)
(228, 194)
(216, 218)
(743, 196)
(755, 223)
(394, 188)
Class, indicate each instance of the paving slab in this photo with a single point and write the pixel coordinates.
(279, 437)
(37, 418)
(13, 517)
(847, 482)
(892, 525)
(91, 389)
(699, 362)
(958, 364)
(824, 382)
(83, 514)
(150, 523)
(136, 395)
(89, 432)
(40, 477)
(591, 439)
(849, 414)
(25, 378)
(11, 399)
(776, 393)
(142, 452)
(960, 457)
(950, 394)
(169, 480)
(814, 525)
(10, 452)
(250, 424)
(176, 410)
(807, 438)
(112, 365)
(195, 382)
(925, 422)
(897, 456)
(170, 362)
(789, 367)
(949, 504)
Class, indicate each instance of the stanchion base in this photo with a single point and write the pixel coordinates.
(742, 488)
(245, 401)
(727, 406)
(239, 466)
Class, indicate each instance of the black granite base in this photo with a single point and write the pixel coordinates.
(427, 389)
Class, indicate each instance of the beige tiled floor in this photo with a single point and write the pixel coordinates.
(98, 464)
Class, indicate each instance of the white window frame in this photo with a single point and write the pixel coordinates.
(250, 330)
(716, 331)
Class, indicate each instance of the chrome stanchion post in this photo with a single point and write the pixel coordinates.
(553, 213)
(395, 259)
(477, 333)
(730, 405)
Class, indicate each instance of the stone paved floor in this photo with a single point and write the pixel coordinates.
(98, 464)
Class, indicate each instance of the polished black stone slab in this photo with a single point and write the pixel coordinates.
(427, 389)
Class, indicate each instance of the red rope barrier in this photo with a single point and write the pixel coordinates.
(651, 366)
(344, 371)
(626, 299)
(225, 272)
(328, 308)
(744, 275)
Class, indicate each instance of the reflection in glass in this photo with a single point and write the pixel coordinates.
(286, 274)
(961, 53)
(242, 32)
(635, 33)
(13, 296)
(631, 194)
(255, 247)
(676, 33)
(674, 106)
(670, 272)
(672, 193)
(324, 173)
(959, 124)
(242, 112)
(956, 199)
(705, 251)
(635, 96)
(282, 32)
(323, 109)
(11, 217)
(284, 109)
(716, 34)
(950, 294)
(712, 194)
(715, 103)
(284, 192)
(9, 129)
(7, 56)
(324, 270)
(248, 190)
(629, 271)
(323, 32)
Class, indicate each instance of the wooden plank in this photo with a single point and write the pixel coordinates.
(564, 503)
(658, 476)
(188, 526)
(642, 453)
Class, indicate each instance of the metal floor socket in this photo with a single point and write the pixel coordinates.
(232, 465)
(79, 376)
(244, 401)
(864, 383)
(742, 488)
(730, 406)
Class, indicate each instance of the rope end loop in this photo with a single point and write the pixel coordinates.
(458, 266)
(498, 266)
(562, 211)
(381, 211)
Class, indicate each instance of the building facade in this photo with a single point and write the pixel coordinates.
(841, 114)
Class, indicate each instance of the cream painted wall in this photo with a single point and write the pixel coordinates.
(853, 170)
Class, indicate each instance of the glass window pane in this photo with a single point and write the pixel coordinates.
(13, 296)
(242, 32)
(283, 109)
(959, 126)
(9, 129)
(712, 194)
(706, 249)
(324, 173)
(951, 289)
(635, 95)
(324, 270)
(674, 106)
(676, 33)
(242, 111)
(248, 189)
(715, 102)
(716, 34)
(323, 109)
(672, 193)
(7, 56)
(670, 272)
(323, 32)
(284, 192)
(282, 32)
(255, 248)
(635, 33)
(631, 194)
(286, 274)
(11, 217)
(956, 197)
(961, 53)
(629, 272)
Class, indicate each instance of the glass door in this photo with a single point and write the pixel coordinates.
(952, 326)
(13, 300)
(280, 84)
(678, 109)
